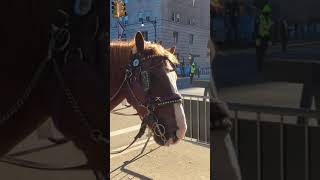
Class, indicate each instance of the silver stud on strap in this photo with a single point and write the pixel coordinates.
(136, 62)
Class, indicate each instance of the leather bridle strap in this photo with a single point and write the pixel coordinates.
(126, 77)
(139, 135)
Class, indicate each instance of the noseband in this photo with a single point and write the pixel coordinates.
(137, 73)
(136, 70)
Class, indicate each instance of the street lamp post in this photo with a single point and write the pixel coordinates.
(154, 23)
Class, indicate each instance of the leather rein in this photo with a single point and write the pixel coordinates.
(59, 41)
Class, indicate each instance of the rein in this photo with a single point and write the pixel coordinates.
(56, 45)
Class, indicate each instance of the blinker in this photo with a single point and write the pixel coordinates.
(136, 62)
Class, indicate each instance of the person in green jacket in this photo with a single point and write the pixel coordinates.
(263, 30)
(192, 71)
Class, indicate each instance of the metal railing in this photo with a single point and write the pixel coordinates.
(282, 113)
(197, 111)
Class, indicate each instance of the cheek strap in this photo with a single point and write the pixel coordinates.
(145, 80)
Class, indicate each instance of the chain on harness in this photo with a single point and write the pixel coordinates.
(59, 41)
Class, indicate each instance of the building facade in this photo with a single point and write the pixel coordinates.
(303, 18)
(181, 23)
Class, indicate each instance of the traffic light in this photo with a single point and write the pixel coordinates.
(114, 8)
(122, 9)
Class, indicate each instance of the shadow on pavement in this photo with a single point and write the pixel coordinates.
(126, 163)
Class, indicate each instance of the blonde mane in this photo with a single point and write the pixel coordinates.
(123, 49)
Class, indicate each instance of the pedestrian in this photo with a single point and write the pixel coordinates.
(284, 34)
(198, 72)
(263, 30)
(187, 69)
(183, 70)
(192, 71)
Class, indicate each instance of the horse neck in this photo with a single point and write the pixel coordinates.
(119, 60)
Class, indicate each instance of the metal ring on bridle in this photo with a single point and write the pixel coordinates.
(159, 129)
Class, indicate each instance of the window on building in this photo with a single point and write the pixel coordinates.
(140, 16)
(173, 17)
(145, 35)
(178, 17)
(175, 37)
(191, 38)
(191, 21)
(148, 15)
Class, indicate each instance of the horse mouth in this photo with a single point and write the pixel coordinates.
(170, 139)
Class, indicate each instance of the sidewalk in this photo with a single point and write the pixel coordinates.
(184, 161)
(184, 82)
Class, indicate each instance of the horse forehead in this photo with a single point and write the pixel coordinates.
(172, 79)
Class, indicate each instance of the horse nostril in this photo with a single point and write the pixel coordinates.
(175, 139)
(158, 140)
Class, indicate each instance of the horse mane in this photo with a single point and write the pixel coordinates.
(122, 50)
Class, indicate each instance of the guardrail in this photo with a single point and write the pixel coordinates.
(197, 111)
(268, 148)
(283, 150)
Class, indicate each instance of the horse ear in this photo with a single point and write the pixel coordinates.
(172, 49)
(139, 41)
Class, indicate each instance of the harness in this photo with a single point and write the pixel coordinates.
(59, 44)
(137, 75)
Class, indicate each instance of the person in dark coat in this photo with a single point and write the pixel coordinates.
(284, 34)
(263, 30)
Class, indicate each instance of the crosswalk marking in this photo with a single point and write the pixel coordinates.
(124, 131)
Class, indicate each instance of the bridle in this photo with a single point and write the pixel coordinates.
(139, 75)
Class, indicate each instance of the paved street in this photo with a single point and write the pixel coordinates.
(186, 160)
(182, 161)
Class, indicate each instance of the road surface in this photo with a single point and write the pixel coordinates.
(185, 160)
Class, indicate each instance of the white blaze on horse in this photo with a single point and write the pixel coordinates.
(144, 74)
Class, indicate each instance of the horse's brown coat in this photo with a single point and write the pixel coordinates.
(120, 56)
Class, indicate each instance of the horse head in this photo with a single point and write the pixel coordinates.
(153, 92)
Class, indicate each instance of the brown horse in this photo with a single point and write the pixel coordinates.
(29, 98)
(143, 73)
